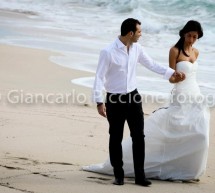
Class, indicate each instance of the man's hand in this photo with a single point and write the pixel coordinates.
(177, 77)
(101, 110)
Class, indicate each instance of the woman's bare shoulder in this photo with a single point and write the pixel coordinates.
(173, 51)
(196, 51)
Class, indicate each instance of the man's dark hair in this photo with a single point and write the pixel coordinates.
(129, 25)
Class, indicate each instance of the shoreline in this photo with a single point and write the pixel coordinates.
(35, 80)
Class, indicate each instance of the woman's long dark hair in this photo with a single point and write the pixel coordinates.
(190, 26)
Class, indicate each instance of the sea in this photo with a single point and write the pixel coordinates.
(79, 29)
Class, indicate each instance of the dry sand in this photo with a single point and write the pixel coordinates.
(43, 146)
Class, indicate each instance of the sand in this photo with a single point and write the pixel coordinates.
(44, 143)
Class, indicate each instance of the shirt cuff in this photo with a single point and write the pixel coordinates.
(169, 73)
(97, 97)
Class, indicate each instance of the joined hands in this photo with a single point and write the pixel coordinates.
(177, 77)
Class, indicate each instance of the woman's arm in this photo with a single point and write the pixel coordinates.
(180, 76)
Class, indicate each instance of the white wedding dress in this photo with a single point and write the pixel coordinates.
(176, 138)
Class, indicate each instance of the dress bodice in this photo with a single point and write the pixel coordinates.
(189, 86)
(187, 67)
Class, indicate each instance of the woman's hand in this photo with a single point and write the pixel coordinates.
(177, 77)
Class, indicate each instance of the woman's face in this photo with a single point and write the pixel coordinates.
(190, 37)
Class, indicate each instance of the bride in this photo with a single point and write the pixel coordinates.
(177, 137)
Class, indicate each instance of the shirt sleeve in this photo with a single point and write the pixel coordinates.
(103, 63)
(149, 63)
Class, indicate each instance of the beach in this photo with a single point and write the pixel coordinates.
(50, 129)
(44, 146)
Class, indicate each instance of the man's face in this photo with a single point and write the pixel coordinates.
(137, 34)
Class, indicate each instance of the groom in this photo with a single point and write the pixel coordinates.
(116, 72)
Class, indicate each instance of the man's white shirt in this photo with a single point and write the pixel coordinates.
(116, 70)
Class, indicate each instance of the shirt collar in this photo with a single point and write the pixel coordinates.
(120, 45)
